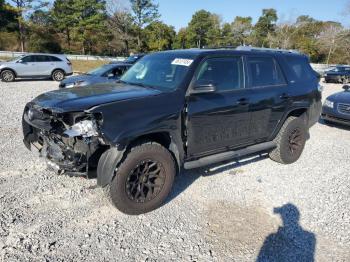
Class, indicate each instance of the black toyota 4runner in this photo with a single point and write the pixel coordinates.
(174, 110)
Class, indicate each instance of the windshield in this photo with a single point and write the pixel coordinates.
(162, 71)
(99, 71)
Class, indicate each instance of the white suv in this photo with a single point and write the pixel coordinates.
(36, 66)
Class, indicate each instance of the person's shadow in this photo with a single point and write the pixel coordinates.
(290, 242)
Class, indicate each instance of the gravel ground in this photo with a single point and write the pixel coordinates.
(237, 212)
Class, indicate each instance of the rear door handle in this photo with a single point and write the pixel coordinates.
(243, 101)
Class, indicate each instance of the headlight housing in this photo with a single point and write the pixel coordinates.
(69, 85)
(84, 128)
(328, 103)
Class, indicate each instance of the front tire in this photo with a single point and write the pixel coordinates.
(8, 76)
(58, 75)
(143, 180)
(290, 141)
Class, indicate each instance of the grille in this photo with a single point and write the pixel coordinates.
(344, 109)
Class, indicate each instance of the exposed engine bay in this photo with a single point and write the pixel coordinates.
(69, 141)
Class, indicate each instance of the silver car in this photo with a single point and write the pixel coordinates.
(36, 66)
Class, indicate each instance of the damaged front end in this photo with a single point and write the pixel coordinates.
(71, 142)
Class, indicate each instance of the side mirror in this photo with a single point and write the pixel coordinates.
(203, 87)
(110, 75)
(346, 87)
(20, 61)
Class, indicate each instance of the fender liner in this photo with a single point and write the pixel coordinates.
(107, 164)
(8, 68)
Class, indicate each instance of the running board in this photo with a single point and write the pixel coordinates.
(208, 160)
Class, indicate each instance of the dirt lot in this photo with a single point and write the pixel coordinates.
(237, 212)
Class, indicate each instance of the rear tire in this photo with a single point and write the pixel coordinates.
(290, 141)
(143, 180)
(8, 76)
(58, 75)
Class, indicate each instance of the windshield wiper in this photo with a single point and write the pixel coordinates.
(121, 81)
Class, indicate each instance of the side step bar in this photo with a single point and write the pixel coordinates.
(208, 160)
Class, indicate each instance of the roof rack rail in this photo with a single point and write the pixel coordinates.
(219, 47)
(251, 48)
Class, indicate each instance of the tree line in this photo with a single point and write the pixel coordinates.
(112, 28)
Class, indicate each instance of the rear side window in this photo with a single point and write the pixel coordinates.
(226, 73)
(301, 68)
(42, 58)
(265, 71)
(55, 59)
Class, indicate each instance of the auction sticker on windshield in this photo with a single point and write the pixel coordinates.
(182, 62)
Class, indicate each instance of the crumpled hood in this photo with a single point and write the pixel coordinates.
(341, 97)
(80, 99)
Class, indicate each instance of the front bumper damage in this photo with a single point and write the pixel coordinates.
(45, 130)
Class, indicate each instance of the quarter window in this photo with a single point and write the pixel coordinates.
(226, 73)
(265, 71)
(301, 68)
(54, 59)
(42, 58)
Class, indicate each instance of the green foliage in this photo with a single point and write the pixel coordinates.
(181, 39)
(8, 17)
(144, 12)
(42, 37)
(266, 25)
(90, 17)
(202, 29)
(238, 32)
(8, 41)
(41, 42)
(88, 26)
(159, 36)
(64, 19)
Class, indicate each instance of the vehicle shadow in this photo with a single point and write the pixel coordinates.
(32, 80)
(335, 125)
(188, 177)
(291, 242)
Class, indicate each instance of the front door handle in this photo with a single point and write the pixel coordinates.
(285, 96)
(243, 101)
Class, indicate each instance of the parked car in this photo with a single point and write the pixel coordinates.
(173, 110)
(338, 74)
(103, 74)
(36, 66)
(131, 59)
(336, 108)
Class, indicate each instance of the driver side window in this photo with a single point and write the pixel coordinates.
(226, 73)
(28, 59)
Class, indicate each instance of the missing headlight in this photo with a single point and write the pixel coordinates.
(84, 128)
